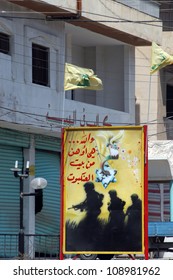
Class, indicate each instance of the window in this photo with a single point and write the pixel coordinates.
(4, 43)
(169, 102)
(40, 65)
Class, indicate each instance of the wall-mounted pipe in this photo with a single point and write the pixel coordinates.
(79, 8)
(70, 15)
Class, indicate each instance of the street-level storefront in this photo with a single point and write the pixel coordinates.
(47, 165)
(160, 203)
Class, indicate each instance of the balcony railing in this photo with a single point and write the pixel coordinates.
(37, 246)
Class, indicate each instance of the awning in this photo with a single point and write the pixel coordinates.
(159, 170)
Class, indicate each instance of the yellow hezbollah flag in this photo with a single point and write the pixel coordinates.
(159, 58)
(77, 77)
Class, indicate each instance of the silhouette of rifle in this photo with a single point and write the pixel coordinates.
(80, 206)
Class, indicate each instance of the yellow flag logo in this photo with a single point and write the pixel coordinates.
(77, 77)
(159, 58)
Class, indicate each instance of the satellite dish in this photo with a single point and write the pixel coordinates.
(38, 183)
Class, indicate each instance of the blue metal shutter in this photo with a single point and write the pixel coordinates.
(14, 138)
(9, 201)
(9, 189)
(43, 142)
(47, 222)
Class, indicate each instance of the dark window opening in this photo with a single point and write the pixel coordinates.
(4, 43)
(72, 95)
(166, 14)
(40, 65)
(169, 102)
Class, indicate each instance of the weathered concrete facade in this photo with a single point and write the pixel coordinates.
(103, 40)
(108, 36)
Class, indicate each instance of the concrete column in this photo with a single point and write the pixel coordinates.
(100, 63)
(68, 58)
(29, 201)
(129, 84)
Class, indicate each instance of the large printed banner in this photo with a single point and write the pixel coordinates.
(103, 190)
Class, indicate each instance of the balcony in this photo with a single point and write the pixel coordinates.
(134, 25)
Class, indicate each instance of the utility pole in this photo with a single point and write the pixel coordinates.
(21, 176)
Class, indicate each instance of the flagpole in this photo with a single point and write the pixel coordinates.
(63, 100)
(63, 108)
(149, 100)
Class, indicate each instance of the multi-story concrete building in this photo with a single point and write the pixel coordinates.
(154, 101)
(37, 38)
(154, 108)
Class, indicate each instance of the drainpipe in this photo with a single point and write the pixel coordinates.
(79, 8)
(69, 16)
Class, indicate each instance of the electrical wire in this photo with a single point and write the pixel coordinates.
(121, 20)
(52, 125)
(34, 115)
(16, 56)
(141, 81)
(59, 13)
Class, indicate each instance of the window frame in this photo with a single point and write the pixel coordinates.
(40, 65)
(51, 41)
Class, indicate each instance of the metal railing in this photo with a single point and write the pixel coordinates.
(36, 246)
